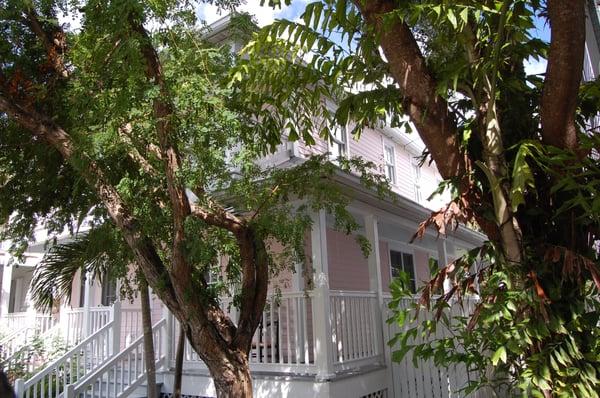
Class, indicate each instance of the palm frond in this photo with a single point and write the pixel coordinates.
(99, 252)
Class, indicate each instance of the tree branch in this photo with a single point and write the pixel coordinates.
(563, 73)
(45, 129)
(54, 42)
(427, 110)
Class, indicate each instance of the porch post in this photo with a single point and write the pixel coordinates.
(116, 328)
(5, 294)
(321, 305)
(375, 283)
(87, 298)
(168, 338)
(443, 261)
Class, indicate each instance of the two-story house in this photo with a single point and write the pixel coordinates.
(326, 338)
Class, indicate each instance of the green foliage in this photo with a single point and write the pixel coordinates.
(536, 324)
(100, 253)
(107, 106)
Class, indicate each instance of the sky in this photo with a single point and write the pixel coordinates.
(265, 15)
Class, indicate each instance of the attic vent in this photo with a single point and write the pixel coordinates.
(377, 394)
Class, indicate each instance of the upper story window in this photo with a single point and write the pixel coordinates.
(417, 181)
(403, 262)
(389, 158)
(338, 146)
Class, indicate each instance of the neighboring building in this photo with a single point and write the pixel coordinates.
(329, 341)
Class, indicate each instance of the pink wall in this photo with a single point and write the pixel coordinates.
(421, 259)
(384, 254)
(348, 267)
(369, 147)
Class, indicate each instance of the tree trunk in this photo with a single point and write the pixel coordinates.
(148, 338)
(179, 362)
(236, 384)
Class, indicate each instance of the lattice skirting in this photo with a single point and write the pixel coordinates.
(377, 394)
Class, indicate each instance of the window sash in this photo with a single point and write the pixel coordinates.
(389, 155)
(402, 261)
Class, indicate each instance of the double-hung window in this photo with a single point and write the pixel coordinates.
(339, 144)
(403, 262)
(389, 157)
(417, 181)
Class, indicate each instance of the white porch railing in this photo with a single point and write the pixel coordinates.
(123, 372)
(427, 380)
(282, 342)
(19, 320)
(99, 316)
(74, 329)
(114, 326)
(132, 324)
(354, 324)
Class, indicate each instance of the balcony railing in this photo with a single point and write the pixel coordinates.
(284, 341)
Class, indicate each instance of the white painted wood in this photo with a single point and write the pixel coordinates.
(321, 305)
(87, 326)
(115, 336)
(131, 358)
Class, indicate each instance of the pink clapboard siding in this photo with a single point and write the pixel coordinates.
(320, 147)
(384, 254)
(421, 259)
(369, 147)
(348, 267)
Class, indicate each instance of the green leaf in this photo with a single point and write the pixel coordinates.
(499, 355)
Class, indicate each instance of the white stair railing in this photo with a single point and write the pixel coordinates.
(14, 342)
(79, 361)
(74, 365)
(123, 373)
(26, 356)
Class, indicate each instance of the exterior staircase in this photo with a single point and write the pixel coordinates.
(97, 366)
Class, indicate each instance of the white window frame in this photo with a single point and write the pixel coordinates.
(405, 249)
(343, 143)
(389, 164)
(416, 172)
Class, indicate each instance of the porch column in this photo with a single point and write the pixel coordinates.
(321, 303)
(5, 293)
(375, 283)
(87, 298)
(374, 260)
(443, 261)
(168, 337)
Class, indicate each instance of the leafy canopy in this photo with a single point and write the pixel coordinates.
(536, 321)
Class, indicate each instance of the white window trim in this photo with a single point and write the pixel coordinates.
(403, 248)
(346, 152)
(388, 143)
(417, 175)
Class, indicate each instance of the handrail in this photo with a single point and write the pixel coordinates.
(38, 376)
(14, 334)
(81, 359)
(23, 347)
(350, 293)
(110, 367)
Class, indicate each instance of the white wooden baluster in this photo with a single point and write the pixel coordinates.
(116, 329)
